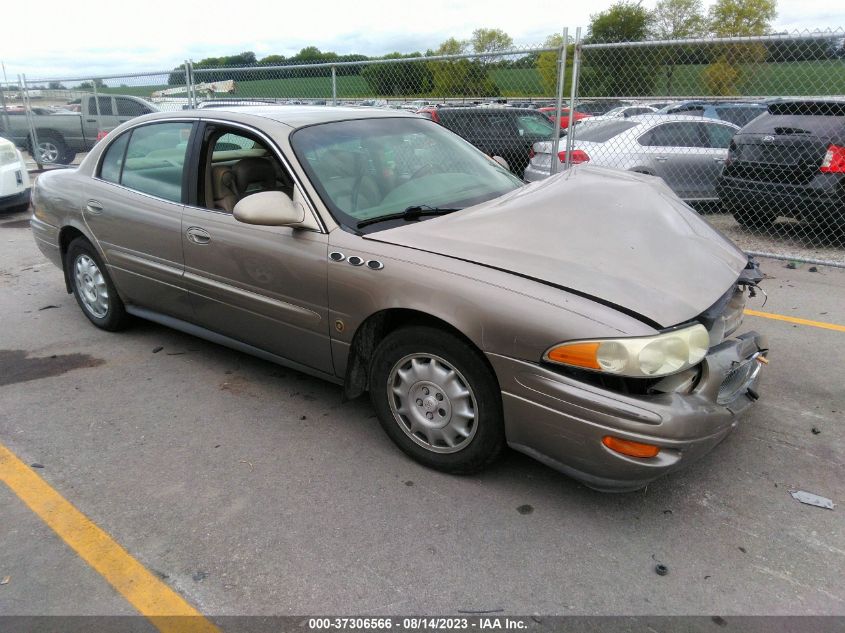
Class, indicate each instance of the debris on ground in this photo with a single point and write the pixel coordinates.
(200, 576)
(792, 265)
(660, 569)
(5, 580)
(813, 269)
(156, 350)
(525, 509)
(815, 430)
(49, 307)
(36, 465)
(811, 499)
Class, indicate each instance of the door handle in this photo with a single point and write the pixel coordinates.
(719, 159)
(198, 235)
(662, 159)
(90, 120)
(94, 207)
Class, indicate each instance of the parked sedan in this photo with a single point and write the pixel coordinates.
(14, 178)
(380, 251)
(687, 152)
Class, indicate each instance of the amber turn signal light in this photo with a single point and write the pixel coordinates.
(629, 448)
(577, 354)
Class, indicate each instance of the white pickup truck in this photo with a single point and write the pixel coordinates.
(62, 134)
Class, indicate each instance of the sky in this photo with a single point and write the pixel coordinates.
(62, 39)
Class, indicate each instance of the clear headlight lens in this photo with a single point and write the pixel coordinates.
(8, 154)
(639, 357)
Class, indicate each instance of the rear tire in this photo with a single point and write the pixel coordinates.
(437, 399)
(52, 149)
(752, 220)
(93, 288)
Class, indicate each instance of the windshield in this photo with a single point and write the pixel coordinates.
(369, 168)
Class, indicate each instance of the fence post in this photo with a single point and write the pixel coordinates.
(33, 134)
(188, 84)
(576, 65)
(561, 77)
(97, 106)
(334, 85)
(193, 86)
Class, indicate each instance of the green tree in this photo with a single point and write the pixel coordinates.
(676, 19)
(617, 72)
(547, 66)
(490, 41)
(729, 18)
(459, 77)
(398, 79)
(735, 18)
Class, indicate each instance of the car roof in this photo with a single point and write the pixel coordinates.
(655, 118)
(294, 116)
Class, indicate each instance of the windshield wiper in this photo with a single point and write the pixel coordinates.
(414, 212)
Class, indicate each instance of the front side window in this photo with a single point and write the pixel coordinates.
(155, 159)
(534, 125)
(368, 168)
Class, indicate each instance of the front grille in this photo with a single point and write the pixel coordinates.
(737, 380)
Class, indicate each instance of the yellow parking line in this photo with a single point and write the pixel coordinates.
(789, 319)
(165, 609)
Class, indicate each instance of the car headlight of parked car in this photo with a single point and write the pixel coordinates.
(638, 357)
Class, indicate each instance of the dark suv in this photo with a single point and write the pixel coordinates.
(505, 132)
(789, 161)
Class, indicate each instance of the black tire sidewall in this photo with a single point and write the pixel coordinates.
(60, 144)
(489, 439)
(116, 316)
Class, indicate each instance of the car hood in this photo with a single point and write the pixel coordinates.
(621, 238)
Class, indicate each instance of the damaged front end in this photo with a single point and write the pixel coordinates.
(618, 433)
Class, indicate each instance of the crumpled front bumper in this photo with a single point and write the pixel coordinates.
(561, 421)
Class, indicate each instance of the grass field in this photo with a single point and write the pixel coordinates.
(794, 78)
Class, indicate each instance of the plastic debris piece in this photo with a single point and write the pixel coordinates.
(661, 569)
(156, 350)
(5, 580)
(811, 500)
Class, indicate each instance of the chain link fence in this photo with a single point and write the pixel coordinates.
(746, 130)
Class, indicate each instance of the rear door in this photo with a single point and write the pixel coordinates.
(718, 137)
(677, 152)
(134, 209)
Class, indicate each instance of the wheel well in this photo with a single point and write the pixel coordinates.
(66, 236)
(371, 332)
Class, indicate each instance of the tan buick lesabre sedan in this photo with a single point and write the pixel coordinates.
(584, 320)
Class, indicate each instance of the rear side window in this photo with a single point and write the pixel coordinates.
(155, 159)
(676, 135)
(534, 125)
(719, 136)
(129, 107)
(104, 104)
(603, 132)
(113, 159)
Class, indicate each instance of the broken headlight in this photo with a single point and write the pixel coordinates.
(638, 357)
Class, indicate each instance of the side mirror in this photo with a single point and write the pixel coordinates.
(269, 208)
(502, 162)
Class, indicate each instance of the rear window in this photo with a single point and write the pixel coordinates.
(599, 133)
(808, 108)
(739, 115)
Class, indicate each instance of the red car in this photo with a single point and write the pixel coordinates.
(564, 115)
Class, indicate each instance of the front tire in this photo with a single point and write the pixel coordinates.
(437, 399)
(93, 288)
(754, 220)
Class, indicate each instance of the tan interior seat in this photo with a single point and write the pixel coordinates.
(253, 175)
(223, 188)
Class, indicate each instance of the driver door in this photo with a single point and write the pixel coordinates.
(265, 286)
